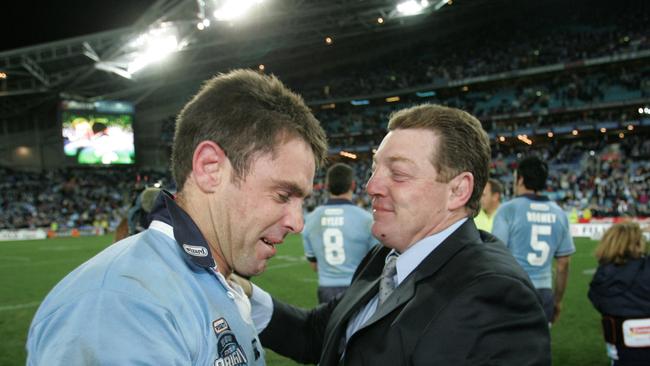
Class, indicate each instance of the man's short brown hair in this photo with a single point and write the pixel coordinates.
(339, 178)
(464, 144)
(247, 114)
(496, 186)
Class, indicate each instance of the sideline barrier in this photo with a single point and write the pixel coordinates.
(42, 233)
(23, 234)
(595, 229)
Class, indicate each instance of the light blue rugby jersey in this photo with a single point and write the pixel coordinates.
(338, 235)
(535, 230)
(151, 299)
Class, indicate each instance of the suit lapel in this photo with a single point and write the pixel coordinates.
(403, 293)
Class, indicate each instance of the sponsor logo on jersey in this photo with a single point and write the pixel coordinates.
(539, 206)
(229, 351)
(220, 325)
(195, 250)
(333, 211)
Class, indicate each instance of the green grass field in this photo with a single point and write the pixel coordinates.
(29, 269)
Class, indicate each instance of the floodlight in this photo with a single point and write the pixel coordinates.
(234, 9)
(412, 7)
(156, 49)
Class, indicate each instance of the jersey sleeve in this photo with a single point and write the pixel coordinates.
(107, 328)
(501, 225)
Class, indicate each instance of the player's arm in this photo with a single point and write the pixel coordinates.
(561, 278)
(313, 263)
(309, 252)
(500, 226)
(297, 333)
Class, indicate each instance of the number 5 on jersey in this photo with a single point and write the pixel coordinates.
(540, 247)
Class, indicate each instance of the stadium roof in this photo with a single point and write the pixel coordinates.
(287, 36)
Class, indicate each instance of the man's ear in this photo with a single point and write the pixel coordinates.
(208, 166)
(460, 190)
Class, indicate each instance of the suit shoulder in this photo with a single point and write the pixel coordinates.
(488, 257)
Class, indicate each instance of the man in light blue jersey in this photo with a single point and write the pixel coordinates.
(243, 158)
(536, 230)
(337, 235)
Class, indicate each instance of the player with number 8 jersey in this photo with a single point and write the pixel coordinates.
(536, 230)
(337, 235)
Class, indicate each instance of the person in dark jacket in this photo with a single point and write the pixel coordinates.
(620, 291)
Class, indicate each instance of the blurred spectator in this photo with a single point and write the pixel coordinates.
(620, 291)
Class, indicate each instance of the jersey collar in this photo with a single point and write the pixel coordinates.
(535, 197)
(338, 201)
(187, 234)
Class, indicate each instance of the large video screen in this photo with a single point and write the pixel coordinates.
(98, 133)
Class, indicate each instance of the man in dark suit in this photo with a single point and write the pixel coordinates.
(438, 292)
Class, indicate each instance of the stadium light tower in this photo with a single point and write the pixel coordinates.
(152, 46)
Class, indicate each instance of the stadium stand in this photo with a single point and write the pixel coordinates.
(578, 89)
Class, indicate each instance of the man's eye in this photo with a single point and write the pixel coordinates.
(399, 176)
(283, 197)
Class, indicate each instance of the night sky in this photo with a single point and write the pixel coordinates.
(28, 22)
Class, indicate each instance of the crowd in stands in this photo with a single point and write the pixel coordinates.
(608, 176)
(535, 101)
(69, 198)
(437, 64)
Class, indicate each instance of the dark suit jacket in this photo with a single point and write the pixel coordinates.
(467, 303)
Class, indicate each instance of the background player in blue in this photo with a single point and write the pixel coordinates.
(337, 235)
(536, 230)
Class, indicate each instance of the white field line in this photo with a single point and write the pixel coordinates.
(14, 258)
(283, 265)
(19, 306)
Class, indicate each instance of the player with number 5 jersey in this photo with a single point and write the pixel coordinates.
(536, 230)
(337, 235)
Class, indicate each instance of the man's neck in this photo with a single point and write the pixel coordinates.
(524, 191)
(345, 196)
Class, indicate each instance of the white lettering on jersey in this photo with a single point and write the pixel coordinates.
(541, 217)
(332, 221)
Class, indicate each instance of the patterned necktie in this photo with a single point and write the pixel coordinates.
(387, 282)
